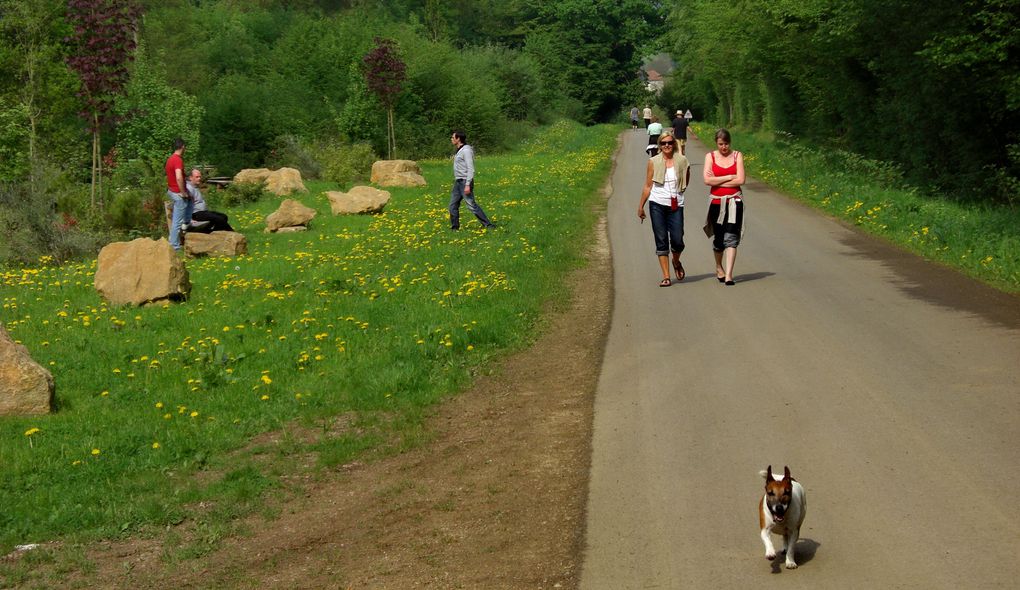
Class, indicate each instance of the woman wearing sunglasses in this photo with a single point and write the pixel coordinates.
(667, 178)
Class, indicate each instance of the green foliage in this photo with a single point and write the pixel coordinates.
(293, 152)
(33, 225)
(242, 193)
(154, 114)
(137, 212)
(939, 94)
(344, 164)
(13, 140)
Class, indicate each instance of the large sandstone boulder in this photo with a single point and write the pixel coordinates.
(360, 199)
(25, 386)
(252, 175)
(141, 271)
(397, 173)
(216, 244)
(290, 214)
(285, 181)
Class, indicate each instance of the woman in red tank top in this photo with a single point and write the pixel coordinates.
(724, 173)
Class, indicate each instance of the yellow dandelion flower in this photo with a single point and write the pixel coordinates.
(155, 445)
(95, 452)
(159, 405)
(264, 397)
(31, 431)
(266, 379)
(194, 414)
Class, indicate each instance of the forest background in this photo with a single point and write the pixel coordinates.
(930, 89)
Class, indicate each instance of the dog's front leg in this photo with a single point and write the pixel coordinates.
(770, 550)
(790, 540)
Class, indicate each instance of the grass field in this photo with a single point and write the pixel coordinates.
(337, 340)
(977, 237)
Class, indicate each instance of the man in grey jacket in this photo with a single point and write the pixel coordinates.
(464, 182)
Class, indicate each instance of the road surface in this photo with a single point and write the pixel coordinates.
(890, 386)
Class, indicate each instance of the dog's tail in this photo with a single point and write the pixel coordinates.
(763, 473)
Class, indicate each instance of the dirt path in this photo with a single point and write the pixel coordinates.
(496, 500)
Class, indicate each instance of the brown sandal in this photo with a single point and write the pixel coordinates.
(679, 268)
(665, 283)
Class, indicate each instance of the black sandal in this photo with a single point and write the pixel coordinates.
(665, 283)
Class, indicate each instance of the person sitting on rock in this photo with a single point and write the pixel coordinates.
(204, 220)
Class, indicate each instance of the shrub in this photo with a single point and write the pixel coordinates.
(239, 193)
(136, 211)
(32, 225)
(344, 164)
(291, 151)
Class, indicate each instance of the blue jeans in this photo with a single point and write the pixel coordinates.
(182, 211)
(667, 227)
(456, 196)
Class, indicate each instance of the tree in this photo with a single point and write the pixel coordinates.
(35, 81)
(103, 39)
(385, 73)
(152, 114)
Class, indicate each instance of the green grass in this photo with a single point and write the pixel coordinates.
(978, 237)
(341, 338)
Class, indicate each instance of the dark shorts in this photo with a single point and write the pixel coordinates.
(727, 233)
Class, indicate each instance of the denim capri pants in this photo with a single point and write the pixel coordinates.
(667, 227)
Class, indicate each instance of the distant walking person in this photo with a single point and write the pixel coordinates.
(680, 131)
(633, 118)
(464, 182)
(667, 177)
(724, 173)
(211, 220)
(654, 131)
(647, 114)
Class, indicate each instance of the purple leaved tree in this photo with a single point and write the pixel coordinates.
(385, 73)
(102, 41)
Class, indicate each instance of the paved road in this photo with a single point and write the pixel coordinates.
(890, 386)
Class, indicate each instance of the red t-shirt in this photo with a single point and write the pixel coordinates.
(174, 162)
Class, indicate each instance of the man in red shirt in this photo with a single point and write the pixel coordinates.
(183, 205)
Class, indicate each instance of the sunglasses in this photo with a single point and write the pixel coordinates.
(669, 143)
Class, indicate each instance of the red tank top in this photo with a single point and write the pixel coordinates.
(722, 191)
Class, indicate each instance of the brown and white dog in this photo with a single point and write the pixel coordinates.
(781, 511)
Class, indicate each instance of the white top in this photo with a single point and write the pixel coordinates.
(647, 113)
(662, 193)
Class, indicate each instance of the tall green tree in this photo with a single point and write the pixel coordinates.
(592, 49)
(34, 83)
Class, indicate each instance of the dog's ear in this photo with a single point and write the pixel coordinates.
(786, 474)
(768, 475)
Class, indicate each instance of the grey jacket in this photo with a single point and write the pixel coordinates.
(464, 163)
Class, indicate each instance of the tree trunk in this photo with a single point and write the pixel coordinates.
(95, 152)
(392, 138)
